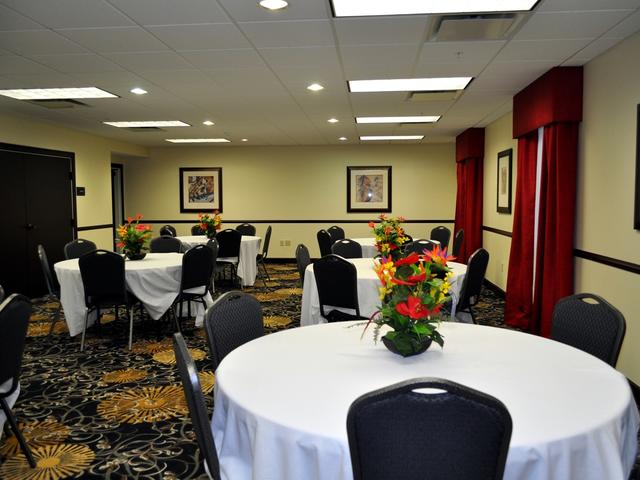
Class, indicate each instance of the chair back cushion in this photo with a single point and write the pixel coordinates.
(419, 246)
(453, 432)
(472, 283)
(265, 244)
(337, 283)
(229, 242)
(324, 242)
(78, 247)
(442, 235)
(168, 230)
(336, 232)
(52, 286)
(103, 278)
(197, 267)
(347, 248)
(246, 229)
(234, 319)
(303, 259)
(165, 244)
(15, 311)
(196, 230)
(457, 242)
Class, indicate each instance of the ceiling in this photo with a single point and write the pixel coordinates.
(246, 68)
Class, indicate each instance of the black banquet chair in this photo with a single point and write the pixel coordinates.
(196, 280)
(419, 246)
(1, 294)
(457, 242)
(168, 230)
(246, 229)
(165, 244)
(336, 232)
(14, 322)
(197, 406)
(234, 319)
(448, 432)
(590, 323)
(347, 248)
(261, 257)
(213, 245)
(324, 242)
(78, 247)
(303, 259)
(103, 279)
(337, 284)
(229, 252)
(472, 283)
(442, 235)
(53, 290)
(196, 230)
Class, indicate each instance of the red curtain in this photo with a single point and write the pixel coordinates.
(554, 261)
(469, 205)
(518, 307)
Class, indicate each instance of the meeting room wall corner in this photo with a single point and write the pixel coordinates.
(92, 167)
(297, 189)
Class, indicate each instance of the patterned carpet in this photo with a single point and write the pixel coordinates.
(107, 413)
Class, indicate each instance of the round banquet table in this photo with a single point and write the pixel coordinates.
(249, 249)
(281, 401)
(368, 285)
(154, 280)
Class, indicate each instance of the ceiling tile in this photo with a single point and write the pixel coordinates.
(201, 37)
(38, 42)
(380, 31)
(591, 51)
(77, 63)
(172, 12)
(513, 76)
(48, 80)
(563, 25)
(108, 40)
(248, 11)
(14, 64)
(626, 27)
(303, 33)
(139, 62)
(572, 5)
(313, 57)
(462, 69)
(459, 52)
(71, 13)
(12, 20)
(238, 58)
(392, 61)
(542, 50)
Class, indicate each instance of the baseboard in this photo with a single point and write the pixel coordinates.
(494, 288)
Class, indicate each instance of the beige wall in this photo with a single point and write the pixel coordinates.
(604, 223)
(92, 160)
(497, 139)
(296, 183)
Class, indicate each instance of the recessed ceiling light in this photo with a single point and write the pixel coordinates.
(56, 93)
(198, 140)
(153, 123)
(343, 139)
(245, 139)
(138, 91)
(391, 137)
(411, 119)
(365, 8)
(273, 4)
(315, 87)
(333, 120)
(410, 84)
(208, 123)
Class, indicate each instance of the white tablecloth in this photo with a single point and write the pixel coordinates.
(368, 245)
(368, 290)
(281, 401)
(11, 401)
(249, 249)
(155, 280)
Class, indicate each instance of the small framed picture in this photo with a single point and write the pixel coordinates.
(200, 189)
(504, 181)
(368, 189)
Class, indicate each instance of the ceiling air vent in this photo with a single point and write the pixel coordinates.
(56, 104)
(462, 28)
(145, 129)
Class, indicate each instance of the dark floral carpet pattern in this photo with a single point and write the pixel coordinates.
(110, 413)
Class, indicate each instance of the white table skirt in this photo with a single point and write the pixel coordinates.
(11, 401)
(155, 280)
(281, 401)
(368, 290)
(249, 249)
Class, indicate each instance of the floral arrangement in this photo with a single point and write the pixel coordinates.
(413, 290)
(389, 236)
(133, 236)
(210, 224)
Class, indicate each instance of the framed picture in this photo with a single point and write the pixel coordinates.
(200, 189)
(503, 194)
(368, 189)
(636, 213)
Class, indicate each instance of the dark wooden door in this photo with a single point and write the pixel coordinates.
(36, 208)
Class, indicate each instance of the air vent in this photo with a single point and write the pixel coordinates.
(434, 96)
(145, 129)
(462, 28)
(57, 104)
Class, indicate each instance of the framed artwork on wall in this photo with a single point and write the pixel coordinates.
(200, 189)
(636, 213)
(369, 189)
(503, 194)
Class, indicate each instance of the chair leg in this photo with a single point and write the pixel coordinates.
(176, 319)
(130, 312)
(473, 316)
(56, 316)
(264, 266)
(16, 431)
(84, 332)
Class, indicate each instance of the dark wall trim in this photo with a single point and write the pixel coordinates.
(95, 227)
(608, 261)
(226, 220)
(493, 287)
(496, 230)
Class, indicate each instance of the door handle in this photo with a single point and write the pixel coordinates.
(29, 226)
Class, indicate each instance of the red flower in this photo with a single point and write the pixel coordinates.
(413, 308)
(408, 260)
(371, 224)
(129, 219)
(138, 216)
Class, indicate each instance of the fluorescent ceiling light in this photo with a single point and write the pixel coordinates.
(273, 4)
(413, 119)
(245, 139)
(138, 91)
(198, 140)
(365, 8)
(343, 139)
(56, 93)
(208, 123)
(315, 87)
(410, 84)
(153, 123)
(333, 120)
(391, 137)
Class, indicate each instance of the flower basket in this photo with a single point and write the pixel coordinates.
(210, 224)
(133, 238)
(389, 236)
